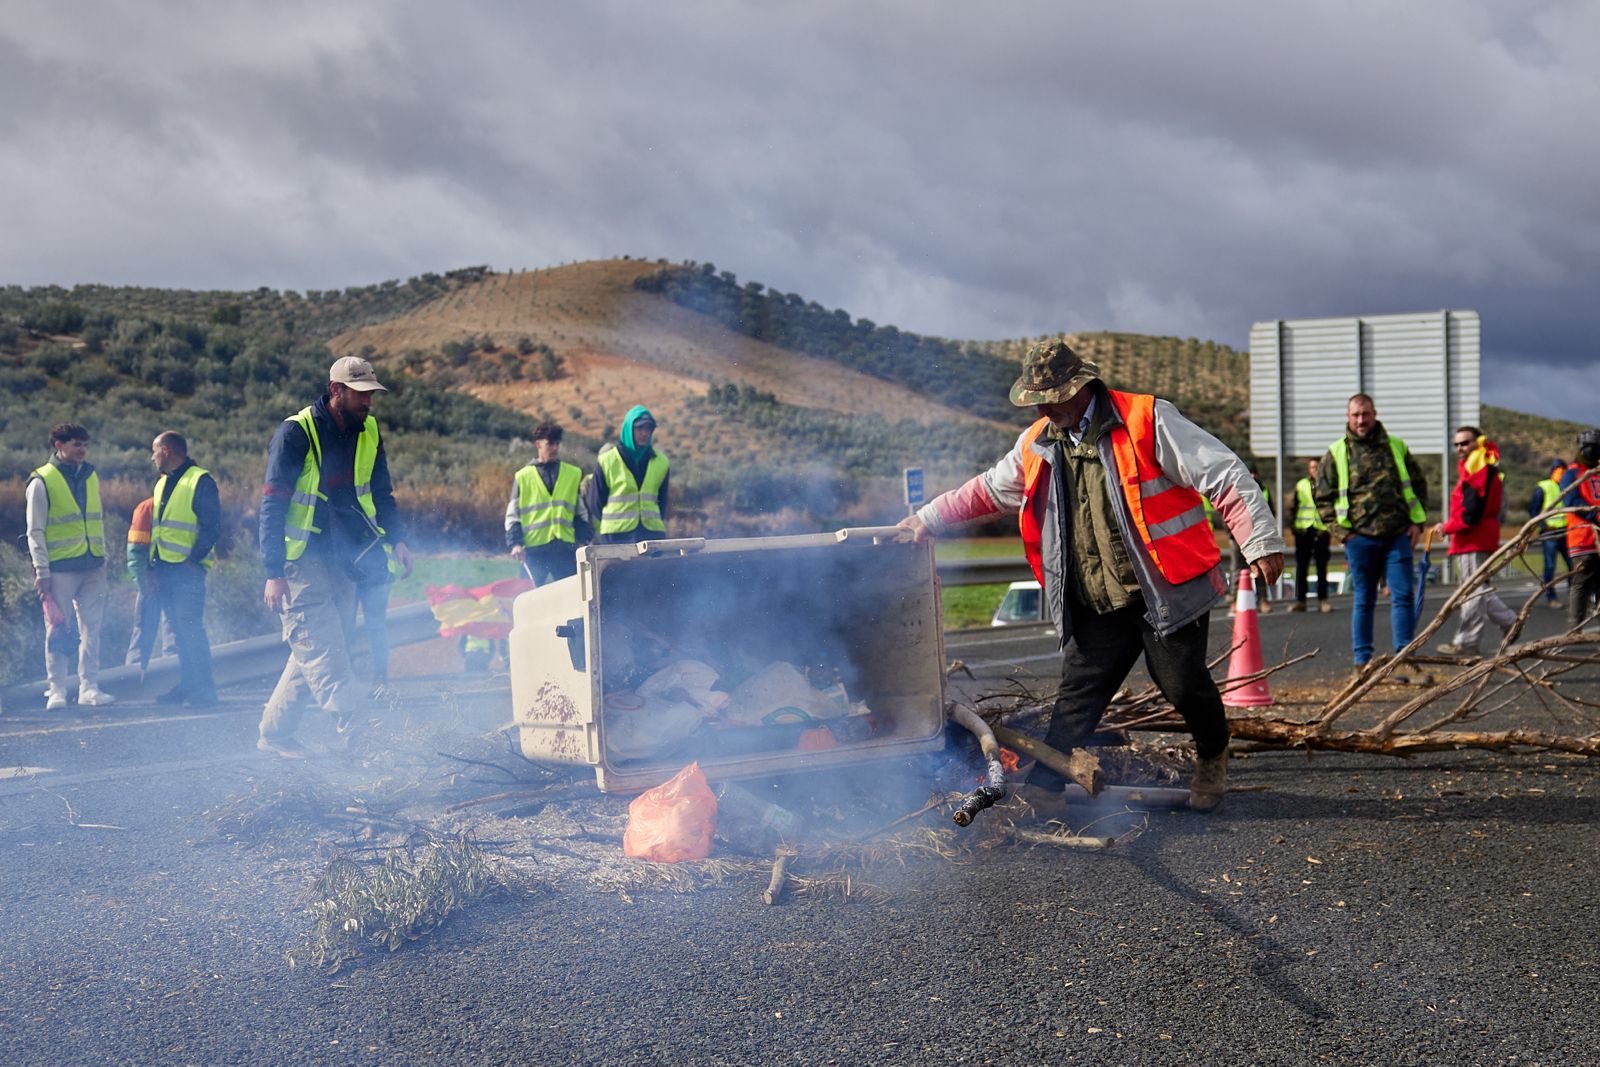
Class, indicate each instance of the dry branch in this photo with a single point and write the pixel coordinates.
(1081, 766)
(1474, 687)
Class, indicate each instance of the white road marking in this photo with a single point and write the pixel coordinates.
(76, 727)
(22, 772)
(978, 665)
(251, 760)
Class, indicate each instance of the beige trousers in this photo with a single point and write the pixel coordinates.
(83, 593)
(1484, 606)
(319, 625)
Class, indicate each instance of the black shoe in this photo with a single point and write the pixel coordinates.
(172, 698)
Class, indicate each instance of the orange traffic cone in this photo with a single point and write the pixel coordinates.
(1246, 650)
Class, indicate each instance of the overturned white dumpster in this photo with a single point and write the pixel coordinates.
(754, 656)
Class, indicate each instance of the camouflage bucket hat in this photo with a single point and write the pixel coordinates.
(1052, 373)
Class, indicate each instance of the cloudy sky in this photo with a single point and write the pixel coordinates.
(969, 170)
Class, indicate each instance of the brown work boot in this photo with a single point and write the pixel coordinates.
(1325, 607)
(1210, 782)
(1039, 803)
(1297, 607)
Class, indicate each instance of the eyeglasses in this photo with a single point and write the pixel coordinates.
(1463, 444)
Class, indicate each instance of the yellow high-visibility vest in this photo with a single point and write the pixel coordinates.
(298, 521)
(1552, 495)
(71, 531)
(630, 505)
(1340, 450)
(547, 515)
(1305, 509)
(177, 527)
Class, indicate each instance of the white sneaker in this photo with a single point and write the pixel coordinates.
(95, 697)
(55, 699)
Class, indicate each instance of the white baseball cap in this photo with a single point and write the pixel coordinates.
(356, 373)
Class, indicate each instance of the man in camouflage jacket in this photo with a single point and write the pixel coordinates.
(1371, 493)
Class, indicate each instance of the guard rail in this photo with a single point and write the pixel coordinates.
(264, 656)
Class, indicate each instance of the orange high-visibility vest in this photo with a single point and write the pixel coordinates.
(1585, 492)
(1170, 518)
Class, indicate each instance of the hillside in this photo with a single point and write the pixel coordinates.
(617, 346)
(780, 413)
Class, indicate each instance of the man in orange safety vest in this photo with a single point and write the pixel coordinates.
(1107, 488)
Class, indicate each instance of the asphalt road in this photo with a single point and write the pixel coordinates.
(1358, 910)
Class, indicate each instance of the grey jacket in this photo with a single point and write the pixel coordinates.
(1188, 456)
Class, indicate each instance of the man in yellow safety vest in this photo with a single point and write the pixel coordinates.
(1372, 496)
(547, 517)
(67, 544)
(1311, 543)
(1553, 538)
(186, 520)
(630, 484)
(327, 515)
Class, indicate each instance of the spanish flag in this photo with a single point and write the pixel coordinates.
(481, 612)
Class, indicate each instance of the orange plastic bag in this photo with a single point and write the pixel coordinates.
(674, 821)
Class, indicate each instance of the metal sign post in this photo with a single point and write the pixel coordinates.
(913, 476)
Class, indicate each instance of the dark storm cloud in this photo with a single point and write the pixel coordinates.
(969, 171)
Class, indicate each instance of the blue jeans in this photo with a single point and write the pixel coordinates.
(1368, 559)
(180, 588)
(373, 596)
(1554, 547)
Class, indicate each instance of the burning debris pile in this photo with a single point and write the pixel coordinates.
(426, 820)
(662, 703)
(428, 817)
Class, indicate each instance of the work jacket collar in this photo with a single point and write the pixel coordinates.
(322, 412)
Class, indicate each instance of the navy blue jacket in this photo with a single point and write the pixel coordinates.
(344, 529)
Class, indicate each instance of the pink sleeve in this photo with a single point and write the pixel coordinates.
(970, 501)
(1235, 514)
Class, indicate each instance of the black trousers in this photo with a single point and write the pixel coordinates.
(1308, 544)
(1102, 651)
(551, 562)
(1584, 589)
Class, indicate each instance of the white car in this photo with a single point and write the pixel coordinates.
(1022, 604)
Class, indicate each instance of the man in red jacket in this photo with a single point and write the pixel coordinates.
(1473, 526)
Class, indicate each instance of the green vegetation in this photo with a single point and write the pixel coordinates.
(225, 367)
(467, 571)
(1526, 443)
(314, 315)
(480, 361)
(963, 378)
(225, 387)
(971, 606)
(851, 445)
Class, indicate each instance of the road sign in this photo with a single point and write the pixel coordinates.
(914, 487)
(1421, 370)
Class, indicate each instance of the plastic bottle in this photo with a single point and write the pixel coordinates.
(752, 823)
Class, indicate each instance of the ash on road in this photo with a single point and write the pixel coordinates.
(1361, 909)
